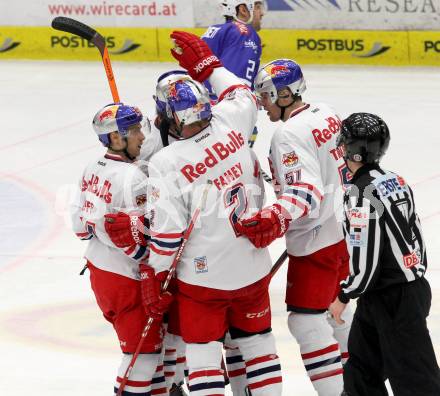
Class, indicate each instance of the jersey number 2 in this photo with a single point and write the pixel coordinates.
(235, 197)
(250, 70)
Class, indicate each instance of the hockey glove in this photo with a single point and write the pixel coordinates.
(267, 225)
(125, 230)
(154, 301)
(194, 55)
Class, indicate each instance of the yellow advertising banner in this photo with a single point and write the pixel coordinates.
(386, 48)
(337, 46)
(130, 44)
(424, 48)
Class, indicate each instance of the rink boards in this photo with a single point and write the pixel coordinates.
(136, 44)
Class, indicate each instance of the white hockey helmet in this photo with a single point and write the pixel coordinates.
(162, 87)
(188, 101)
(279, 74)
(230, 7)
(117, 117)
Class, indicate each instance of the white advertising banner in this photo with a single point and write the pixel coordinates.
(111, 13)
(337, 14)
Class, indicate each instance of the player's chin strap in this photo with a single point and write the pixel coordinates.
(283, 108)
(124, 150)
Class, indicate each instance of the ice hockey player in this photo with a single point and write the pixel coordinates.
(236, 42)
(215, 292)
(110, 184)
(389, 337)
(308, 171)
(174, 358)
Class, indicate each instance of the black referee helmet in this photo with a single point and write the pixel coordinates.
(365, 137)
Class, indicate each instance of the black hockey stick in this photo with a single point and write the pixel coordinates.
(278, 264)
(80, 29)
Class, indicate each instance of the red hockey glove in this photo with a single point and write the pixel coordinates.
(125, 230)
(155, 302)
(194, 55)
(267, 225)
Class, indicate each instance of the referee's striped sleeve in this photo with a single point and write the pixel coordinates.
(364, 237)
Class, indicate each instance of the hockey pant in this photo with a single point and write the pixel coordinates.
(263, 369)
(389, 338)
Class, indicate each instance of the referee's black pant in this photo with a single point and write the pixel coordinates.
(389, 339)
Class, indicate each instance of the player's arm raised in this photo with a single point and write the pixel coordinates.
(194, 55)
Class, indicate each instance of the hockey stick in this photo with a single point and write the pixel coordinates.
(278, 264)
(80, 29)
(171, 272)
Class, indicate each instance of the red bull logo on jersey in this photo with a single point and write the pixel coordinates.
(93, 186)
(333, 127)
(216, 153)
(289, 160)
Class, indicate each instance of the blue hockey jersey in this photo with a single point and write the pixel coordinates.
(238, 46)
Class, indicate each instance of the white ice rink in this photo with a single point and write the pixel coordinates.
(53, 340)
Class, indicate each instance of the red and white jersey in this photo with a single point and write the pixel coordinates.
(109, 185)
(214, 256)
(309, 172)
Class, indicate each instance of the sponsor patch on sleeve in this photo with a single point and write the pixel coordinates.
(358, 238)
(358, 217)
(412, 259)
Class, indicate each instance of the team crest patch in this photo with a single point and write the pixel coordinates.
(290, 159)
(141, 199)
(201, 265)
(153, 194)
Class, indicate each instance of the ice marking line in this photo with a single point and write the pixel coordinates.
(50, 132)
(47, 237)
(51, 160)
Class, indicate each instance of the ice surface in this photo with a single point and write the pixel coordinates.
(53, 339)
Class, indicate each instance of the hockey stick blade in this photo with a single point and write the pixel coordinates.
(73, 26)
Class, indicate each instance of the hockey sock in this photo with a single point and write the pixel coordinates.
(179, 377)
(170, 365)
(140, 377)
(319, 351)
(263, 369)
(236, 370)
(158, 383)
(341, 331)
(205, 373)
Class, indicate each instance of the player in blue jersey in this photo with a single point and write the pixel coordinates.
(236, 42)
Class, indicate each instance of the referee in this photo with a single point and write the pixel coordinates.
(389, 338)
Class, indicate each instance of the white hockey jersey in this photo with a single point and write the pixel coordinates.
(109, 185)
(309, 172)
(214, 256)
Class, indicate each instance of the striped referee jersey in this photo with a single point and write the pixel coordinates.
(382, 231)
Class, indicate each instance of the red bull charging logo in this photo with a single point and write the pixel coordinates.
(276, 70)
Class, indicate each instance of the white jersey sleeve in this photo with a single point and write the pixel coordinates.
(235, 99)
(109, 185)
